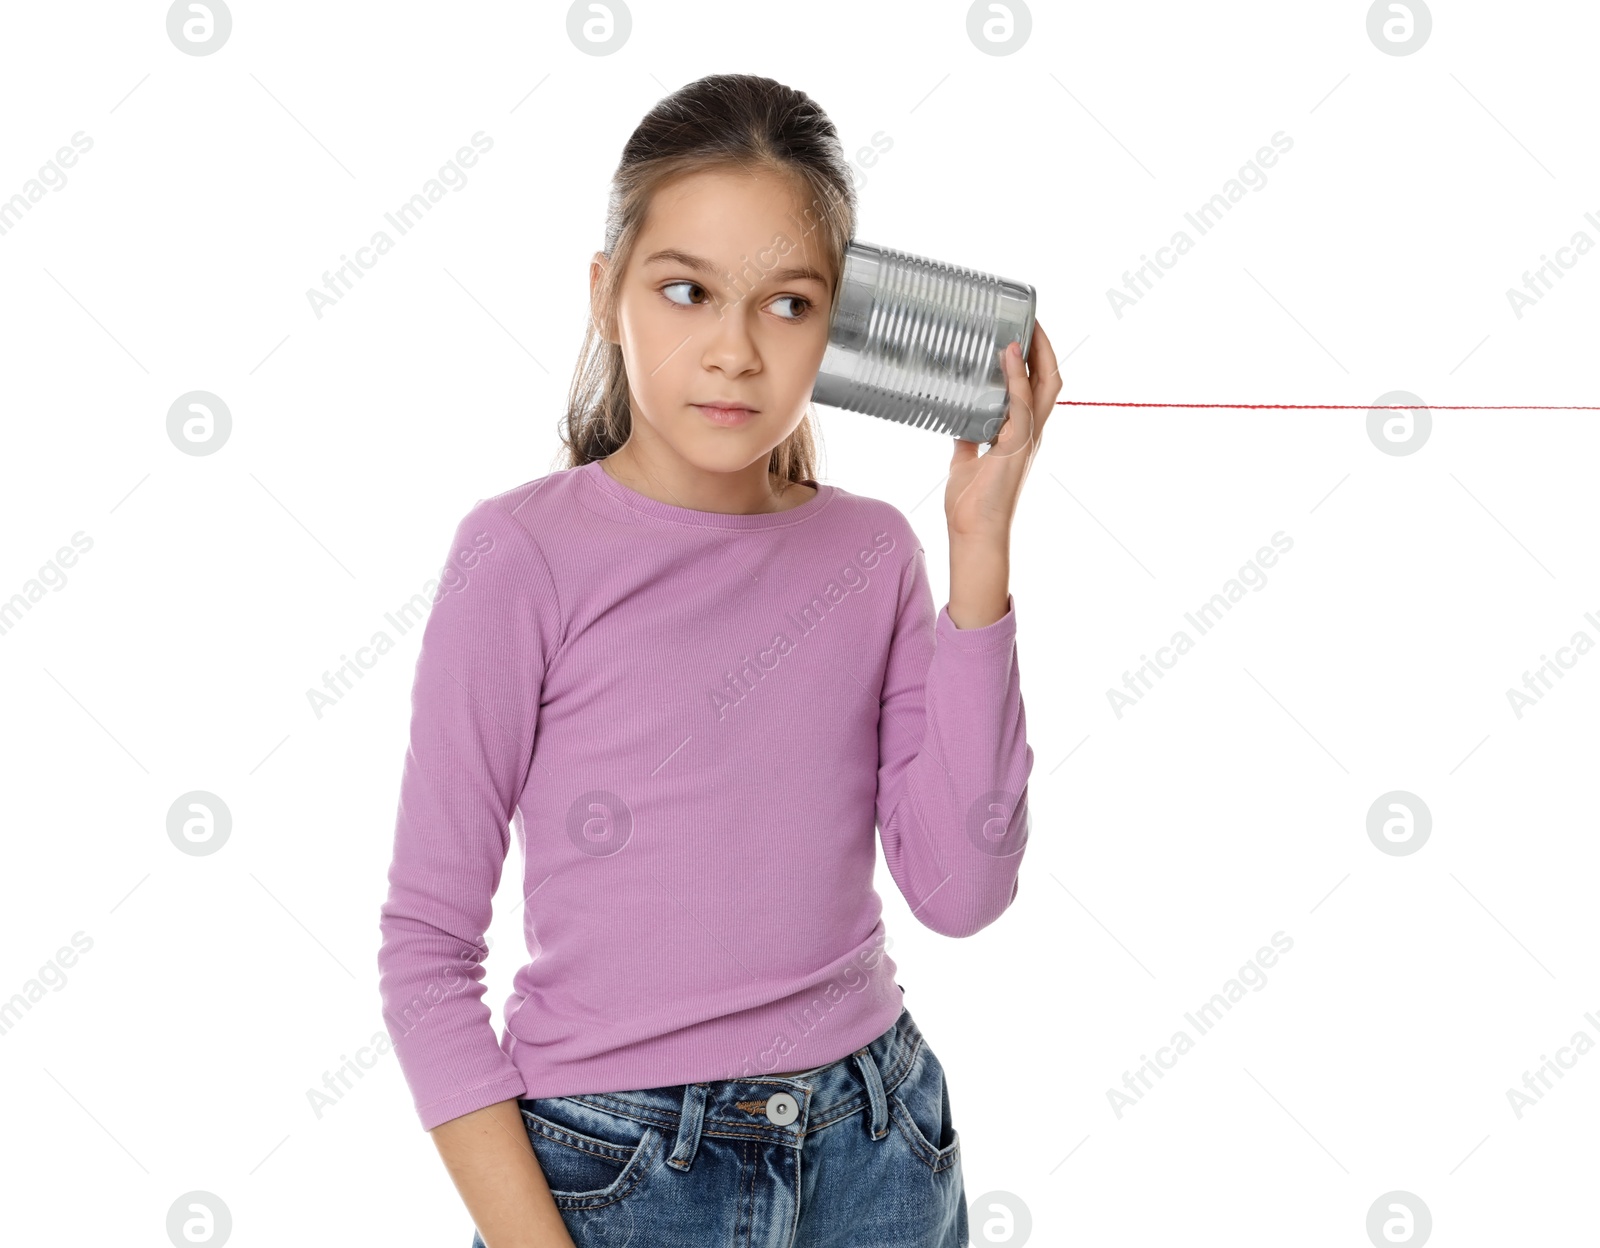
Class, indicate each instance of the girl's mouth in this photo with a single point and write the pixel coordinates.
(719, 414)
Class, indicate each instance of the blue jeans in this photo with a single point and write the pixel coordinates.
(857, 1152)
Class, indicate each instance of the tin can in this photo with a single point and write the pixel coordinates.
(918, 341)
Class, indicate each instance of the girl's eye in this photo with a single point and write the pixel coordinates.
(794, 299)
(676, 285)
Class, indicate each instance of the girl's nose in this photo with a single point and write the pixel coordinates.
(731, 346)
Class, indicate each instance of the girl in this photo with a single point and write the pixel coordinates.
(693, 678)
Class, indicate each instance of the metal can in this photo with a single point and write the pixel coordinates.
(918, 341)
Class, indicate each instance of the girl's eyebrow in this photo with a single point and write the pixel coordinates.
(700, 265)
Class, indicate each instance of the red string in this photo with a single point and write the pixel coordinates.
(1354, 407)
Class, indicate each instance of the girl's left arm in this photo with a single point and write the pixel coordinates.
(953, 753)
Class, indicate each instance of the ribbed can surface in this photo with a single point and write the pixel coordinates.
(918, 341)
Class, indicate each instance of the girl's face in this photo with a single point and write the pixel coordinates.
(724, 301)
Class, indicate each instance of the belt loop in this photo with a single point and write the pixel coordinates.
(878, 1126)
(689, 1119)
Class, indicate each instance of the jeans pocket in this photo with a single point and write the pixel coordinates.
(920, 1107)
(590, 1157)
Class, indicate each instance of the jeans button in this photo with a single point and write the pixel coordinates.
(782, 1108)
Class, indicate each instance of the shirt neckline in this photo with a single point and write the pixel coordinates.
(668, 513)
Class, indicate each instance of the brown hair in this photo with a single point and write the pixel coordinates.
(738, 121)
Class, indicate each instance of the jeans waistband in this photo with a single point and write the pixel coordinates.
(745, 1108)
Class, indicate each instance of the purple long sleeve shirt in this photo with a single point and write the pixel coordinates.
(695, 722)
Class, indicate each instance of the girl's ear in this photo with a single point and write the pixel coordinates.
(597, 271)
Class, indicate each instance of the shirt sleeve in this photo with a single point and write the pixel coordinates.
(953, 762)
(474, 711)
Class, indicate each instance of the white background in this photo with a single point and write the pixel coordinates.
(1168, 844)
